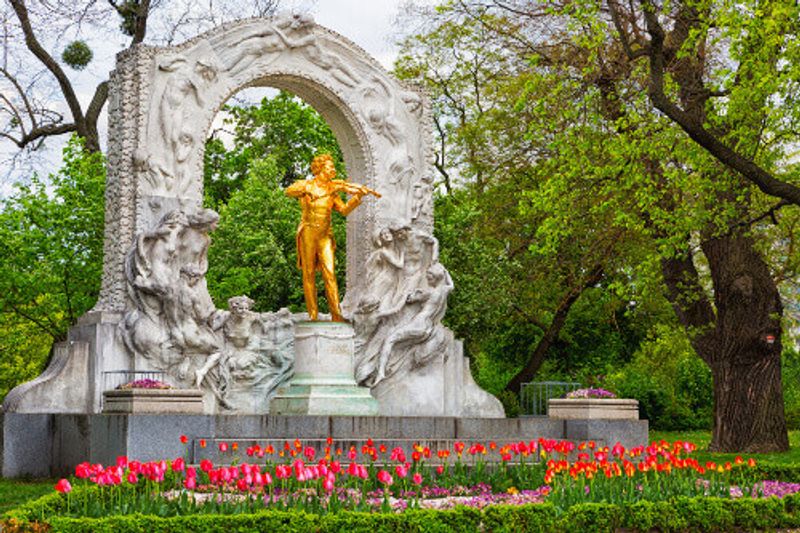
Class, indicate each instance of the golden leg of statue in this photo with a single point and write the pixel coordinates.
(329, 277)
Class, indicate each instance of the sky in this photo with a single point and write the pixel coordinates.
(372, 25)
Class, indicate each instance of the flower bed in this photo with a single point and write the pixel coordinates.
(558, 476)
(144, 384)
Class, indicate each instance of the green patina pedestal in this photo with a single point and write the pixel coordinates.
(323, 381)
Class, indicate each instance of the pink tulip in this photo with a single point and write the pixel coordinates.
(223, 447)
(385, 478)
(328, 485)
(190, 483)
(122, 461)
(191, 472)
(336, 467)
(401, 471)
(267, 479)
(618, 450)
(440, 469)
(309, 452)
(417, 478)
(63, 486)
(133, 479)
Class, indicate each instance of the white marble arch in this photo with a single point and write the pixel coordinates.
(162, 101)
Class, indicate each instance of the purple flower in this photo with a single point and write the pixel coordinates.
(590, 393)
(145, 384)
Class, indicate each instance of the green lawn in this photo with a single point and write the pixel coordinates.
(702, 438)
(14, 492)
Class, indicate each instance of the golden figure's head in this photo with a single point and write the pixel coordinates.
(322, 165)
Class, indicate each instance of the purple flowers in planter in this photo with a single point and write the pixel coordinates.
(590, 393)
(144, 384)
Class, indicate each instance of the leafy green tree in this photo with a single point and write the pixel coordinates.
(282, 128)
(602, 166)
(51, 248)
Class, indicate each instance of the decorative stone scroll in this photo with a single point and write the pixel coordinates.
(154, 310)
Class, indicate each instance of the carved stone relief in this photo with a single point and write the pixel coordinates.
(238, 356)
(398, 318)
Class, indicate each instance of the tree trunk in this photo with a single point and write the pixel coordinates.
(740, 342)
(746, 366)
(550, 334)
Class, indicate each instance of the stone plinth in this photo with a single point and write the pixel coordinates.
(140, 401)
(323, 382)
(593, 408)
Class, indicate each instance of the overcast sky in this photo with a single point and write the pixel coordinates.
(370, 24)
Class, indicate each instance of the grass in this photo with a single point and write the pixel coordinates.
(14, 492)
(702, 438)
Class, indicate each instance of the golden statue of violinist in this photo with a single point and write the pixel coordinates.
(315, 244)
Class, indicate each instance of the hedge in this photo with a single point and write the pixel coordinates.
(682, 514)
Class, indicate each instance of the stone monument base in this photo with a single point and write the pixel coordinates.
(323, 382)
(51, 444)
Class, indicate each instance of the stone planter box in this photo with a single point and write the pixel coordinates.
(136, 401)
(593, 408)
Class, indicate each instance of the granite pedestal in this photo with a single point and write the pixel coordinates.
(323, 381)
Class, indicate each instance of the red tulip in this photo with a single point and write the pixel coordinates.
(202, 443)
(133, 479)
(83, 471)
(223, 447)
(184, 439)
(206, 465)
(63, 486)
(178, 465)
(417, 478)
